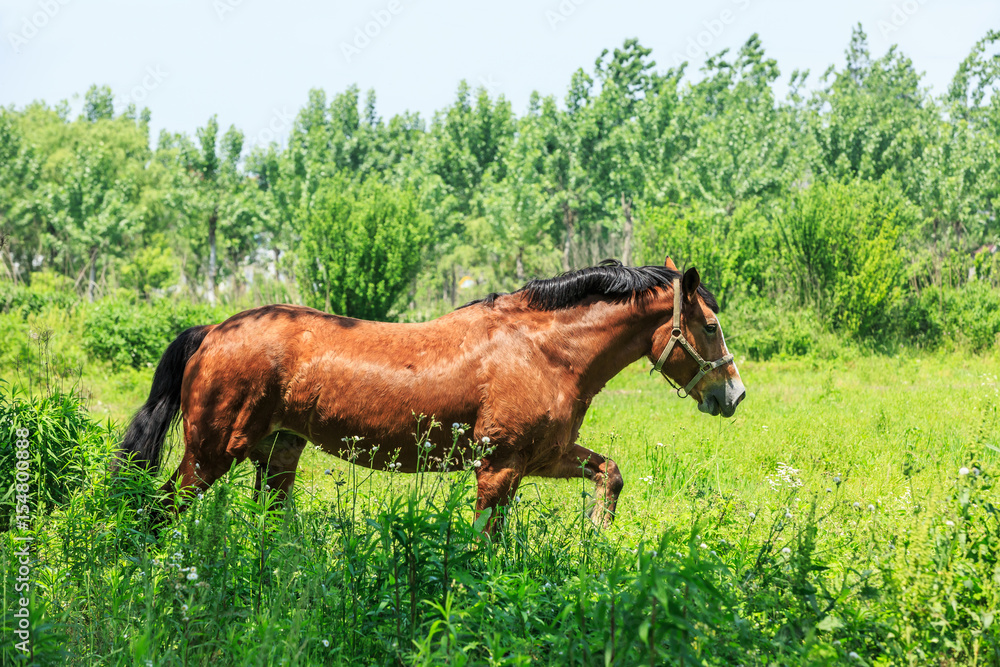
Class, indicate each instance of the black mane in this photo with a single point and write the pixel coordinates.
(609, 279)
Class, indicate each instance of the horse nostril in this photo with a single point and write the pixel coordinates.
(739, 400)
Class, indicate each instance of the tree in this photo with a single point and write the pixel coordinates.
(19, 181)
(360, 247)
(221, 189)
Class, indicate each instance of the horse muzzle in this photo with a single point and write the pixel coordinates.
(722, 399)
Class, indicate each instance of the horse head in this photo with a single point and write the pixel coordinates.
(690, 350)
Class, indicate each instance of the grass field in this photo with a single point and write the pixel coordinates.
(845, 515)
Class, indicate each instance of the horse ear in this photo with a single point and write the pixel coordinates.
(670, 264)
(690, 282)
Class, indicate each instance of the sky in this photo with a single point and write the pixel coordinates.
(252, 62)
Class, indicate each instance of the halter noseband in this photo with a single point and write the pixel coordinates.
(704, 367)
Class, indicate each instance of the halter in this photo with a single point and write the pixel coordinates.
(704, 367)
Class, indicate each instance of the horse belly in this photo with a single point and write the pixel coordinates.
(343, 401)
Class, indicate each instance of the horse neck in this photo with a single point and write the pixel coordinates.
(599, 339)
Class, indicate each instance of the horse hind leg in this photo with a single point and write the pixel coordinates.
(608, 480)
(191, 478)
(276, 458)
(210, 452)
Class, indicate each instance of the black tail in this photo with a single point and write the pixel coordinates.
(143, 443)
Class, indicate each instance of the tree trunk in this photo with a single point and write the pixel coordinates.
(454, 286)
(519, 266)
(212, 257)
(628, 229)
(5, 242)
(93, 275)
(569, 220)
(277, 272)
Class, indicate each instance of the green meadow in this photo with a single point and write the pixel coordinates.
(845, 515)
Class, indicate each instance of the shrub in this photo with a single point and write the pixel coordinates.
(62, 439)
(360, 247)
(124, 333)
(46, 289)
(968, 315)
(735, 253)
(154, 267)
(972, 314)
(762, 329)
(127, 333)
(842, 250)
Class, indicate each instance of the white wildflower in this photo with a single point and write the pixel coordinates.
(963, 471)
(784, 476)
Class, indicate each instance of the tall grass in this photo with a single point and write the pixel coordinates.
(386, 568)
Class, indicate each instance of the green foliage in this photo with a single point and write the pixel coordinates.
(152, 268)
(360, 247)
(973, 314)
(128, 333)
(62, 441)
(881, 542)
(969, 316)
(47, 289)
(843, 248)
(765, 330)
(747, 262)
(845, 199)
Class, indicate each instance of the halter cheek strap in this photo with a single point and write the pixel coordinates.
(676, 337)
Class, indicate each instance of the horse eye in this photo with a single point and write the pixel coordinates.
(711, 328)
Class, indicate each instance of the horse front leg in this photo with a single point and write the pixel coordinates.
(608, 481)
(496, 483)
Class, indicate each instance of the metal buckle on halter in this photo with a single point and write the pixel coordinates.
(677, 336)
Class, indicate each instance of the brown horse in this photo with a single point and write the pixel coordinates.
(520, 368)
